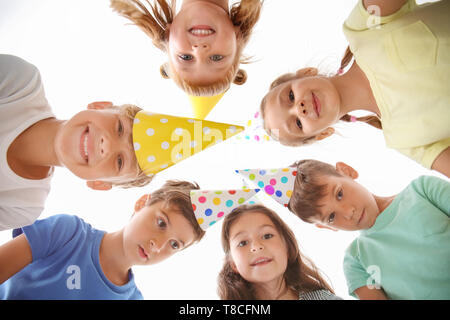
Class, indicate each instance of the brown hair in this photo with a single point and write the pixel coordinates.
(153, 22)
(177, 193)
(301, 273)
(307, 191)
(140, 179)
(373, 120)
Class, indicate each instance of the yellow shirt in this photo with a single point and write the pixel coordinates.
(406, 58)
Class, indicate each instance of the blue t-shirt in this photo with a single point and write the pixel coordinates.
(65, 265)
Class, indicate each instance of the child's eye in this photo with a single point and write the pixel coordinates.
(331, 218)
(161, 223)
(174, 244)
(291, 96)
(340, 194)
(119, 162)
(242, 243)
(267, 236)
(120, 128)
(186, 57)
(299, 123)
(216, 57)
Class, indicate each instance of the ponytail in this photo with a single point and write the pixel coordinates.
(372, 120)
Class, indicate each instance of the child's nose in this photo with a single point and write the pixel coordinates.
(200, 47)
(256, 246)
(154, 246)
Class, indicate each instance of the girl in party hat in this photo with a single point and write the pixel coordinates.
(204, 40)
(400, 75)
(263, 260)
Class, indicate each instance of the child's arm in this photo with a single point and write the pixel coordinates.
(385, 7)
(366, 293)
(14, 256)
(442, 162)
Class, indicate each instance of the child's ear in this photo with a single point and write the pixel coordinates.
(241, 77)
(325, 133)
(346, 170)
(163, 70)
(98, 105)
(141, 202)
(99, 185)
(306, 72)
(322, 226)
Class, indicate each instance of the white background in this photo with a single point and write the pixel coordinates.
(87, 53)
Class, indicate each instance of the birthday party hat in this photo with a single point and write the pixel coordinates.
(277, 183)
(212, 205)
(161, 141)
(202, 106)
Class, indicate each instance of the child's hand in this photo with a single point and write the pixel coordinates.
(100, 105)
(141, 202)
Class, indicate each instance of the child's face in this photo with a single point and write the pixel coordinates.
(155, 233)
(97, 145)
(202, 43)
(258, 251)
(347, 205)
(301, 108)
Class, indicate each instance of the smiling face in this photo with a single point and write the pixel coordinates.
(97, 145)
(258, 251)
(301, 108)
(155, 233)
(202, 43)
(346, 206)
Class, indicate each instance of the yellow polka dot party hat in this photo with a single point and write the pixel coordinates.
(161, 141)
(212, 205)
(202, 106)
(277, 183)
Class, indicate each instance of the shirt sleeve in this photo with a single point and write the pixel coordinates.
(360, 19)
(46, 236)
(426, 155)
(435, 190)
(354, 272)
(17, 217)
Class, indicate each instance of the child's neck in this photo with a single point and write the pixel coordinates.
(112, 260)
(32, 154)
(221, 3)
(355, 91)
(274, 290)
(383, 202)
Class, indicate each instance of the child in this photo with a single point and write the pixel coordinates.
(400, 73)
(204, 40)
(403, 251)
(63, 257)
(99, 145)
(263, 260)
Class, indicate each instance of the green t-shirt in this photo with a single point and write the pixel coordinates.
(407, 251)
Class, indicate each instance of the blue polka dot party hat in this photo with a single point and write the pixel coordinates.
(161, 141)
(212, 205)
(277, 182)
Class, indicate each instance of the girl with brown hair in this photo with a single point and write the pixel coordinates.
(263, 260)
(204, 40)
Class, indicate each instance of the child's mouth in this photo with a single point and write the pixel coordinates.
(317, 105)
(142, 253)
(201, 31)
(84, 145)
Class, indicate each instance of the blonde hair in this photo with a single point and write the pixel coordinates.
(154, 21)
(141, 179)
(301, 273)
(372, 120)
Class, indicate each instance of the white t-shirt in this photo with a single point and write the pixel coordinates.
(22, 104)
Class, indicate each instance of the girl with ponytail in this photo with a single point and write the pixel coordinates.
(204, 40)
(397, 67)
